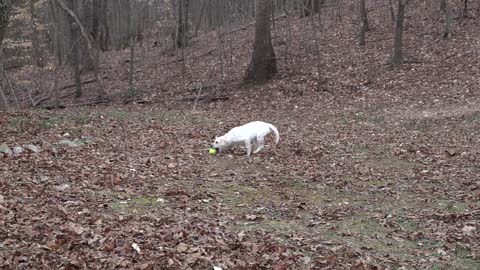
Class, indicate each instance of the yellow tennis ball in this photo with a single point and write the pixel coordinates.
(212, 151)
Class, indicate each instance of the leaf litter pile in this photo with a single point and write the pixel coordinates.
(379, 172)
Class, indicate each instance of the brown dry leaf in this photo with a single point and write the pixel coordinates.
(147, 266)
(182, 247)
(467, 229)
(77, 228)
(280, 267)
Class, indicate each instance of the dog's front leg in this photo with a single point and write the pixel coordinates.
(248, 145)
(261, 144)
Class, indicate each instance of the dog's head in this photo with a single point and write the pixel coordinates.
(220, 143)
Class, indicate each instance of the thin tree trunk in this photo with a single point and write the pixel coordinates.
(398, 43)
(3, 82)
(56, 38)
(315, 30)
(181, 38)
(443, 5)
(363, 16)
(5, 8)
(56, 48)
(104, 27)
(131, 90)
(35, 44)
(199, 20)
(75, 47)
(465, 8)
(448, 22)
(100, 23)
(392, 11)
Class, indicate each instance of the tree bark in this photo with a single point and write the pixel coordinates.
(392, 12)
(363, 16)
(57, 43)
(448, 22)
(465, 8)
(100, 29)
(398, 42)
(182, 32)
(443, 5)
(363, 23)
(5, 8)
(263, 65)
(35, 43)
(200, 16)
(131, 90)
(316, 35)
(74, 47)
(56, 49)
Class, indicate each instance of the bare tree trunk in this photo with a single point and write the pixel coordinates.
(443, 5)
(182, 32)
(448, 21)
(56, 36)
(317, 47)
(363, 16)
(131, 90)
(392, 12)
(465, 8)
(362, 22)
(199, 20)
(5, 7)
(263, 65)
(288, 39)
(398, 43)
(75, 48)
(100, 31)
(35, 44)
(56, 48)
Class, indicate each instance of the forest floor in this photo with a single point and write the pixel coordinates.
(379, 171)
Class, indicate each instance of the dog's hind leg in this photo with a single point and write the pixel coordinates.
(260, 144)
(248, 145)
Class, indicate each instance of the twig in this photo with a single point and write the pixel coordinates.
(201, 87)
(84, 82)
(88, 103)
(11, 88)
(198, 96)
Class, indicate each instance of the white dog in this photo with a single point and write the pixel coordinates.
(253, 132)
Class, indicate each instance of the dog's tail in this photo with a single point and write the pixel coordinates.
(277, 135)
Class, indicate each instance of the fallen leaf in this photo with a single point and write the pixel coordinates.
(182, 247)
(467, 229)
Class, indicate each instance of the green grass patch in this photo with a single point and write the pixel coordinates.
(450, 206)
(82, 119)
(138, 205)
(18, 123)
(51, 122)
(379, 156)
(118, 115)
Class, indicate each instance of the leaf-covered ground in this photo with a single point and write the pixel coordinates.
(379, 172)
